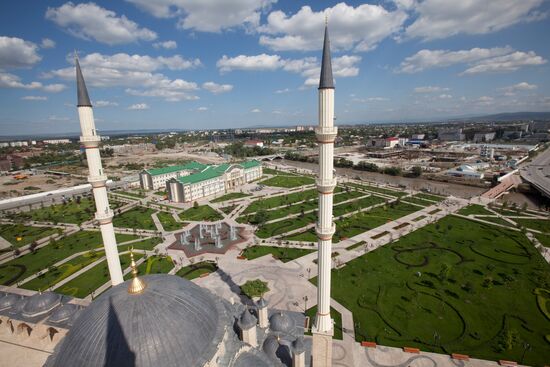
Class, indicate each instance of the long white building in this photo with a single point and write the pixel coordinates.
(156, 178)
(211, 180)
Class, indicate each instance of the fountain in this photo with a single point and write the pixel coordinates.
(232, 233)
(198, 246)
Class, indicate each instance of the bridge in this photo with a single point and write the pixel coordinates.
(268, 157)
(537, 173)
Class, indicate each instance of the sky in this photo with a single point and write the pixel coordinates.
(213, 64)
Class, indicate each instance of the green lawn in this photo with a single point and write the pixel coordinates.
(280, 200)
(475, 209)
(542, 225)
(20, 235)
(201, 213)
(431, 197)
(133, 194)
(306, 236)
(138, 217)
(254, 288)
(161, 193)
(281, 253)
(28, 264)
(336, 316)
(418, 201)
(88, 282)
(196, 270)
(230, 196)
(379, 190)
(147, 244)
(285, 225)
(365, 221)
(168, 222)
(55, 275)
(64, 213)
(228, 209)
(496, 220)
(543, 239)
(288, 181)
(154, 265)
(457, 286)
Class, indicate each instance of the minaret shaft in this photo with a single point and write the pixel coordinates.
(104, 215)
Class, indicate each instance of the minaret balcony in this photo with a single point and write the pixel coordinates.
(97, 181)
(326, 134)
(90, 141)
(325, 186)
(105, 216)
(325, 233)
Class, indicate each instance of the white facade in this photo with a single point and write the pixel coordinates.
(56, 141)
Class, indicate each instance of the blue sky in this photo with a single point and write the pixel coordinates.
(192, 64)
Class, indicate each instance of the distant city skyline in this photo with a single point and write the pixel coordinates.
(180, 64)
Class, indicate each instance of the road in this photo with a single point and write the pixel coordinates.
(537, 173)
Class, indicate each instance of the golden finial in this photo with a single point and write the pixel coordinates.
(136, 286)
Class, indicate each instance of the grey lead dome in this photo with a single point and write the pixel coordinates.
(172, 323)
(81, 91)
(326, 80)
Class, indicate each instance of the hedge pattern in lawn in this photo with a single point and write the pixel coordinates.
(201, 213)
(26, 234)
(138, 218)
(285, 254)
(254, 288)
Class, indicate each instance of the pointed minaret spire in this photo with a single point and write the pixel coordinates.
(82, 92)
(326, 80)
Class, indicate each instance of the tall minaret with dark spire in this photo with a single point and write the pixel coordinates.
(322, 330)
(90, 140)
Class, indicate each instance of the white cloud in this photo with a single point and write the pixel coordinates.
(277, 112)
(361, 28)
(430, 89)
(17, 53)
(207, 15)
(139, 106)
(256, 110)
(169, 45)
(8, 80)
(440, 19)
(217, 88)
(138, 73)
(445, 96)
(369, 99)
(58, 118)
(308, 67)
(479, 60)
(105, 104)
(512, 89)
(90, 21)
(202, 109)
(242, 62)
(484, 101)
(281, 91)
(47, 43)
(34, 98)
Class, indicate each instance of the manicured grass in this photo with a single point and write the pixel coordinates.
(254, 288)
(228, 209)
(469, 284)
(201, 213)
(542, 225)
(543, 239)
(307, 236)
(280, 200)
(30, 263)
(365, 221)
(288, 181)
(57, 274)
(335, 315)
(161, 193)
(380, 190)
(286, 225)
(475, 209)
(147, 244)
(418, 201)
(88, 282)
(196, 270)
(496, 220)
(356, 205)
(270, 171)
(138, 217)
(230, 196)
(358, 244)
(168, 222)
(20, 235)
(63, 213)
(281, 253)
(133, 194)
(431, 197)
(154, 265)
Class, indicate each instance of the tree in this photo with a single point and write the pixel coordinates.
(416, 171)
(195, 205)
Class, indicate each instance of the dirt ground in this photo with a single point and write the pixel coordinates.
(10, 187)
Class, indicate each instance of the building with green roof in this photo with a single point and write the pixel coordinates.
(212, 180)
(155, 178)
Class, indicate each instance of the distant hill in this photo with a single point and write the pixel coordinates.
(513, 116)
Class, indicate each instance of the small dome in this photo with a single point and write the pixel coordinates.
(281, 322)
(9, 300)
(63, 313)
(247, 359)
(171, 323)
(41, 303)
(298, 345)
(247, 320)
(271, 345)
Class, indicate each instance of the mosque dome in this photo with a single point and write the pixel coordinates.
(63, 313)
(271, 345)
(41, 303)
(281, 322)
(171, 322)
(9, 300)
(247, 359)
(247, 320)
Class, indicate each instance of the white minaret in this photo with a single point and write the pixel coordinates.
(90, 140)
(322, 329)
